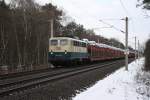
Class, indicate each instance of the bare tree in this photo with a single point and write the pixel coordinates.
(147, 56)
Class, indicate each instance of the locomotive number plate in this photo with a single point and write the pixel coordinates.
(58, 48)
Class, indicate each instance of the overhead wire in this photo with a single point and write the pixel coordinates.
(112, 26)
(127, 13)
(122, 4)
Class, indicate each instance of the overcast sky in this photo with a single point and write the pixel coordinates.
(89, 12)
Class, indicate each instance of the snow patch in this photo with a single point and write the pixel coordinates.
(121, 85)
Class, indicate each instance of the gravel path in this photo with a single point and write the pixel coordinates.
(65, 89)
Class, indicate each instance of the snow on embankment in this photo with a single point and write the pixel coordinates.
(121, 85)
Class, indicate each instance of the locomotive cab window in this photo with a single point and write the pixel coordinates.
(63, 42)
(54, 42)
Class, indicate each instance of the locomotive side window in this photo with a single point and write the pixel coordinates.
(75, 43)
(83, 44)
(54, 42)
(79, 44)
(63, 42)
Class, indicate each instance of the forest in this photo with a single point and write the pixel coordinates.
(25, 32)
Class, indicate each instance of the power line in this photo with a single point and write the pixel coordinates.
(97, 28)
(126, 11)
(112, 26)
(112, 19)
(122, 4)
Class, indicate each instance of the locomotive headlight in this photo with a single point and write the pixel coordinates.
(51, 52)
(65, 51)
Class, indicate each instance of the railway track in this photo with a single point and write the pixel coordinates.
(21, 85)
(19, 74)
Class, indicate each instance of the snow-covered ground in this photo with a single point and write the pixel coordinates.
(121, 85)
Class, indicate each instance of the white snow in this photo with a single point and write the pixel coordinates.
(133, 84)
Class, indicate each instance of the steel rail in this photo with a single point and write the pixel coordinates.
(25, 84)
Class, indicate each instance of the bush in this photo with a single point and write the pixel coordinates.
(147, 56)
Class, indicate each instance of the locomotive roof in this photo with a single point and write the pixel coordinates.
(68, 38)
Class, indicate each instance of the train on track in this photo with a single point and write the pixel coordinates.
(65, 50)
